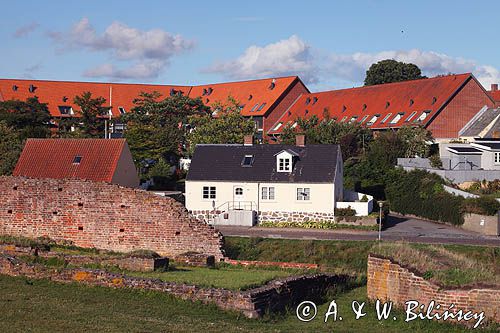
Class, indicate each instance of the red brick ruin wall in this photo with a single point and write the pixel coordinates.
(389, 281)
(103, 216)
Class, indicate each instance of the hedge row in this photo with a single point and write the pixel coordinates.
(421, 193)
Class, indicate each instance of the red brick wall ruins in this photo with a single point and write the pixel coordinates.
(390, 281)
(103, 216)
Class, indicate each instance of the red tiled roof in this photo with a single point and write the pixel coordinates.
(404, 98)
(252, 94)
(495, 95)
(53, 92)
(256, 96)
(53, 158)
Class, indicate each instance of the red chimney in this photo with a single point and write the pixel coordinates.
(494, 86)
(248, 140)
(300, 140)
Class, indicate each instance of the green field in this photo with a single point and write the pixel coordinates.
(42, 306)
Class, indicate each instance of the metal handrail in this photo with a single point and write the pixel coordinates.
(237, 205)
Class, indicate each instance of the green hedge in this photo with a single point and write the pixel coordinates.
(421, 193)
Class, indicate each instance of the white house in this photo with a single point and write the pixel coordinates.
(242, 184)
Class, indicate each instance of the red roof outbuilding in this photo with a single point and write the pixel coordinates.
(100, 160)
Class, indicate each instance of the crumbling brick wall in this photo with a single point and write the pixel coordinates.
(390, 281)
(101, 215)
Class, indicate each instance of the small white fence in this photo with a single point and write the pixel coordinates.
(356, 201)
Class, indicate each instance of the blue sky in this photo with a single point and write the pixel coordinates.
(329, 44)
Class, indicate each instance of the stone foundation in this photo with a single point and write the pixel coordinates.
(274, 297)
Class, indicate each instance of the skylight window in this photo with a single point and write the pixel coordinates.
(247, 161)
(422, 117)
(387, 104)
(254, 107)
(364, 107)
(411, 116)
(385, 118)
(294, 125)
(315, 99)
(372, 121)
(397, 118)
(344, 108)
(411, 102)
(121, 109)
(308, 100)
(353, 119)
(261, 107)
(77, 159)
(277, 127)
(363, 119)
(434, 100)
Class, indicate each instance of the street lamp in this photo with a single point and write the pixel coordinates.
(380, 204)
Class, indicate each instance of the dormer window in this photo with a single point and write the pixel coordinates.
(66, 110)
(284, 164)
(397, 118)
(284, 160)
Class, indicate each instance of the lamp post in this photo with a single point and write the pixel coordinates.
(380, 204)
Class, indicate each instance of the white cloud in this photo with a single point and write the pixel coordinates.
(353, 67)
(141, 70)
(290, 56)
(293, 56)
(151, 50)
(25, 29)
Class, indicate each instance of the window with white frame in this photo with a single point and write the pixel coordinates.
(422, 117)
(497, 157)
(385, 118)
(372, 121)
(284, 164)
(411, 116)
(209, 192)
(303, 193)
(397, 118)
(267, 193)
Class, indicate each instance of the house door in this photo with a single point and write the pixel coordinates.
(238, 196)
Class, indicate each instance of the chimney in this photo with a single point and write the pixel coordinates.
(248, 140)
(494, 86)
(300, 140)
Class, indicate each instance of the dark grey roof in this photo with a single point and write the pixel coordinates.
(491, 145)
(314, 164)
(464, 150)
(482, 121)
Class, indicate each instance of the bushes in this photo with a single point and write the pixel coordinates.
(343, 212)
(436, 162)
(421, 193)
(481, 206)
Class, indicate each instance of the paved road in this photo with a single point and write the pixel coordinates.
(398, 228)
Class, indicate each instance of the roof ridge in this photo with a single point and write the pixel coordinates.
(391, 83)
(96, 82)
(242, 81)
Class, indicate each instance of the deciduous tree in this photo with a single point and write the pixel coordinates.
(389, 70)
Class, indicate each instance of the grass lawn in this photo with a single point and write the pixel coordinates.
(224, 276)
(450, 265)
(43, 306)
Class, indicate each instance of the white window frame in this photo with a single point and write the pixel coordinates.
(372, 121)
(284, 164)
(277, 127)
(422, 117)
(396, 118)
(268, 193)
(496, 157)
(209, 192)
(121, 109)
(363, 119)
(386, 117)
(303, 194)
(411, 116)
